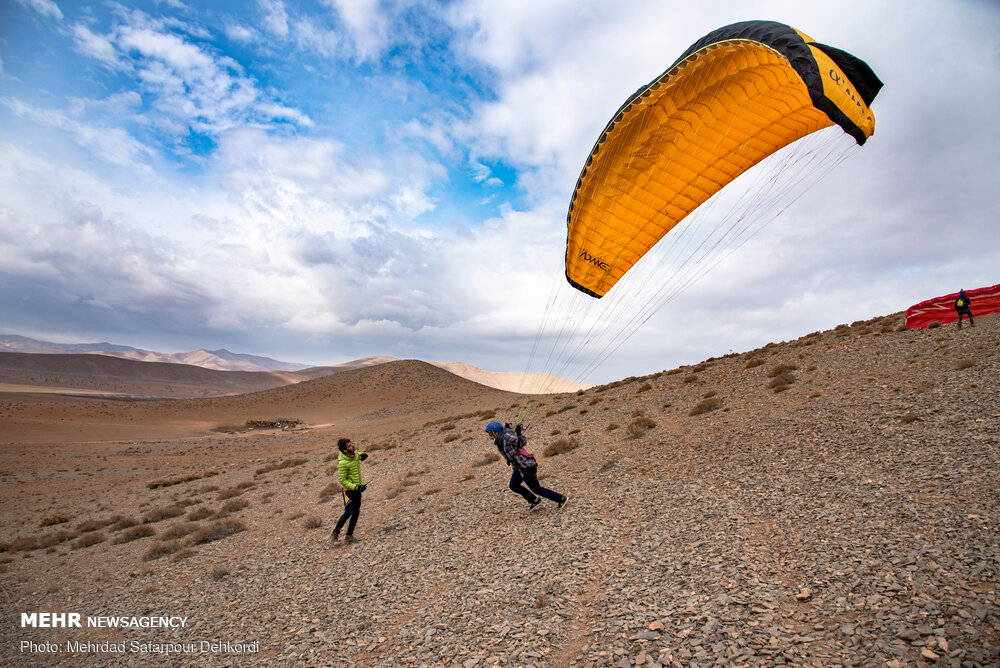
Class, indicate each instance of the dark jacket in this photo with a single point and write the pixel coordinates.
(965, 302)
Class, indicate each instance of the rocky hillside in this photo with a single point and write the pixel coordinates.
(829, 501)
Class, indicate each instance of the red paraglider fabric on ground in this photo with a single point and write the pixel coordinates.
(942, 309)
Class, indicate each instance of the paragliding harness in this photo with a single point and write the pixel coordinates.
(512, 446)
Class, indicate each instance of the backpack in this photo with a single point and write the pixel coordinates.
(513, 448)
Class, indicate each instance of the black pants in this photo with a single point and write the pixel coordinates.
(968, 313)
(352, 510)
(530, 476)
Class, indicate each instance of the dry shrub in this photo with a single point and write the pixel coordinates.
(487, 459)
(644, 387)
(88, 539)
(410, 478)
(639, 412)
(177, 480)
(709, 394)
(573, 431)
(161, 549)
(467, 476)
(452, 437)
(286, 464)
(706, 406)
(561, 446)
(782, 382)
(781, 369)
(312, 522)
(54, 519)
(333, 489)
(639, 426)
(607, 466)
(158, 514)
(179, 530)
(182, 553)
(394, 491)
(432, 490)
(219, 572)
(690, 378)
(232, 506)
(93, 525)
(199, 514)
(613, 426)
(595, 400)
(217, 530)
(934, 325)
(447, 427)
(961, 365)
(555, 432)
(229, 493)
(135, 533)
(909, 417)
(28, 543)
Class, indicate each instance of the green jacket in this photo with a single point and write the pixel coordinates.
(349, 471)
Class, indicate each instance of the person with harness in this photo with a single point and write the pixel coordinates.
(349, 477)
(512, 445)
(962, 305)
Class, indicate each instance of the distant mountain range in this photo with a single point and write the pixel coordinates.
(220, 360)
(224, 360)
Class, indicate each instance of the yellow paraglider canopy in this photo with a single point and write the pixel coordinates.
(735, 97)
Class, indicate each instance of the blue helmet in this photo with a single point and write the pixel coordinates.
(494, 428)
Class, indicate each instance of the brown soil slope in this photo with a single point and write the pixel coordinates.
(830, 501)
(374, 395)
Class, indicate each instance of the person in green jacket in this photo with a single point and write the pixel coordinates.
(349, 476)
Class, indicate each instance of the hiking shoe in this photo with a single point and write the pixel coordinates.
(334, 539)
(534, 504)
(564, 501)
(350, 539)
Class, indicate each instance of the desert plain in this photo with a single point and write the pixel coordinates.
(828, 501)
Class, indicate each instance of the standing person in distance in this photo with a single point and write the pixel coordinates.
(963, 305)
(513, 447)
(349, 476)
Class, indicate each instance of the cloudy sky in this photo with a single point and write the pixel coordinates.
(321, 181)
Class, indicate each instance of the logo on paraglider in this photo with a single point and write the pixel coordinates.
(587, 257)
(841, 82)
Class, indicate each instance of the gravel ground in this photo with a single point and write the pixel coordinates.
(849, 519)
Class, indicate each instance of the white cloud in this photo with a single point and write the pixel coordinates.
(108, 143)
(46, 8)
(368, 24)
(312, 234)
(312, 37)
(275, 16)
(188, 86)
(94, 45)
(240, 33)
